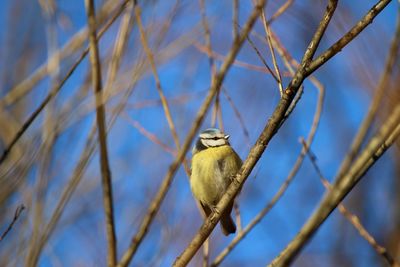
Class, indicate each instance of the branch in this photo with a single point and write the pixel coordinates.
(262, 59)
(17, 213)
(271, 48)
(280, 11)
(235, 18)
(152, 137)
(119, 48)
(101, 122)
(238, 116)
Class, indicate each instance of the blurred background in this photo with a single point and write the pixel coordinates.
(53, 169)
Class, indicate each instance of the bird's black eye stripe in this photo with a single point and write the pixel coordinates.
(211, 138)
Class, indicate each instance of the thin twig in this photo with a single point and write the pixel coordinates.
(206, 252)
(207, 37)
(217, 113)
(353, 219)
(152, 137)
(17, 213)
(101, 123)
(262, 59)
(238, 115)
(280, 11)
(119, 48)
(271, 48)
(235, 18)
(216, 83)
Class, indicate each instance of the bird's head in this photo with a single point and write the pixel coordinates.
(212, 137)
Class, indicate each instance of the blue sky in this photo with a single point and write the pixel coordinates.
(138, 165)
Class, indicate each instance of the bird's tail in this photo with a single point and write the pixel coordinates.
(227, 224)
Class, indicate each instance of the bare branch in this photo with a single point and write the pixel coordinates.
(235, 20)
(119, 48)
(152, 137)
(262, 59)
(271, 48)
(238, 115)
(101, 123)
(17, 213)
(206, 252)
(280, 11)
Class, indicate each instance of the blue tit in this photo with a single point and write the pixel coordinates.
(214, 165)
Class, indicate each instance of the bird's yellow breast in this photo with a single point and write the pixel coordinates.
(208, 180)
(214, 153)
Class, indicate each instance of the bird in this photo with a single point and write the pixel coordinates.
(214, 165)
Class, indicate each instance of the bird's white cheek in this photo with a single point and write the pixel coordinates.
(213, 143)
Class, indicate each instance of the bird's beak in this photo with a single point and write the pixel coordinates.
(226, 136)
